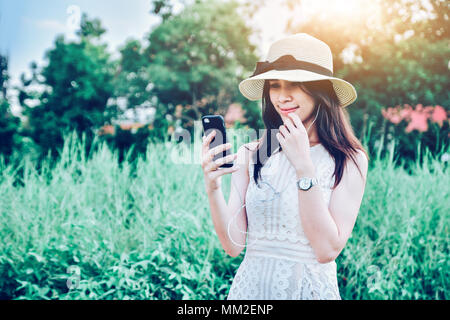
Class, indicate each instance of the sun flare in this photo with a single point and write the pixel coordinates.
(273, 18)
(346, 10)
(340, 7)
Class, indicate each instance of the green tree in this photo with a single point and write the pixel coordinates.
(132, 80)
(164, 8)
(77, 85)
(90, 28)
(9, 124)
(4, 77)
(200, 55)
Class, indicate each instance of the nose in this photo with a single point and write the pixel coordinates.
(285, 94)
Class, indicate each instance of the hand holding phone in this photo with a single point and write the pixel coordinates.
(215, 152)
(217, 124)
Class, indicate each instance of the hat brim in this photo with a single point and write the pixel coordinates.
(252, 88)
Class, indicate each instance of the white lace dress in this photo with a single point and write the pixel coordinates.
(279, 262)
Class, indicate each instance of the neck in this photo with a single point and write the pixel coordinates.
(312, 131)
(313, 136)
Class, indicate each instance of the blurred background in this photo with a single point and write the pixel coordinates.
(86, 85)
(140, 72)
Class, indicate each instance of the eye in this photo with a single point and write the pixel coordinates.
(274, 85)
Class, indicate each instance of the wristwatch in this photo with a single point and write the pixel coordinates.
(306, 183)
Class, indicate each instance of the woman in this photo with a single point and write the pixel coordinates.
(298, 199)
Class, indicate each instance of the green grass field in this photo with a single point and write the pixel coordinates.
(94, 229)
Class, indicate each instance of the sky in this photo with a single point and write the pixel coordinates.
(28, 27)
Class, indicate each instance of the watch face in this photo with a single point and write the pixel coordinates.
(305, 183)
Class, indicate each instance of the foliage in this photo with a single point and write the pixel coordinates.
(132, 87)
(199, 53)
(164, 8)
(132, 81)
(90, 28)
(77, 85)
(9, 124)
(4, 77)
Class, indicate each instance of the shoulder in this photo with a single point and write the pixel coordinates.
(362, 160)
(350, 190)
(360, 165)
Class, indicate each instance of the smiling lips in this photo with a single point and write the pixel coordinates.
(286, 111)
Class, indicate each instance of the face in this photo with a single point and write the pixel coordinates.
(288, 97)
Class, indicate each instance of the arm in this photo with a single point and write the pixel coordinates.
(222, 213)
(328, 229)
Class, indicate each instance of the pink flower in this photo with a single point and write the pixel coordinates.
(392, 115)
(405, 113)
(417, 118)
(439, 115)
(396, 118)
(418, 121)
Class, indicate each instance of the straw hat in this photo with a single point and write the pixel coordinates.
(299, 57)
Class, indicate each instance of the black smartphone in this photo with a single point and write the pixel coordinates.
(216, 122)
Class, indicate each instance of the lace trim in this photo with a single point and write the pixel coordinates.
(245, 285)
(281, 276)
(317, 282)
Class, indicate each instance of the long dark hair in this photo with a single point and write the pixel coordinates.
(333, 128)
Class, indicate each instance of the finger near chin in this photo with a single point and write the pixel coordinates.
(296, 119)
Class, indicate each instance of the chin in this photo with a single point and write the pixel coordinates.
(284, 115)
